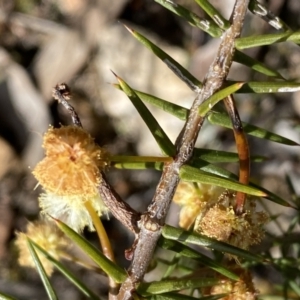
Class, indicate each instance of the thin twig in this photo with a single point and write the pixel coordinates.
(62, 94)
(120, 209)
(152, 221)
(242, 149)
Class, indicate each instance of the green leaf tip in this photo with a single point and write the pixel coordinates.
(157, 132)
(207, 105)
(193, 83)
(118, 78)
(128, 28)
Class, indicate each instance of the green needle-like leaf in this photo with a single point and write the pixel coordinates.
(209, 155)
(223, 120)
(177, 296)
(174, 109)
(139, 165)
(267, 39)
(109, 267)
(48, 287)
(213, 30)
(68, 274)
(186, 251)
(212, 169)
(192, 18)
(255, 65)
(138, 162)
(193, 83)
(160, 136)
(217, 156)
(169, 107)
(165, 286)
(214, 14)
(204, 165)
(188, 173)
(181, 235)
(263, 12)
(268, 87)
(208, 104)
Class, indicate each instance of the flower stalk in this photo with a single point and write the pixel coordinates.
(104, 242)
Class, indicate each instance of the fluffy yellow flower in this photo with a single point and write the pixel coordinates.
(72, 162)
(47, 236)
(70, 175)
(71, 209)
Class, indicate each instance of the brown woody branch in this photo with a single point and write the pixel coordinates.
(152, 221)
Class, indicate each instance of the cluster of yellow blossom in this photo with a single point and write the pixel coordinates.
(211, 210)
(70, 175)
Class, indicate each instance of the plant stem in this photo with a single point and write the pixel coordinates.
(152, 221)
(105, 244)
(120, 209)
(103, 238)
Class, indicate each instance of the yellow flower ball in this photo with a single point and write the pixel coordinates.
(72, 162)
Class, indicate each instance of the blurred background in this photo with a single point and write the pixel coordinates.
(45, 42)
